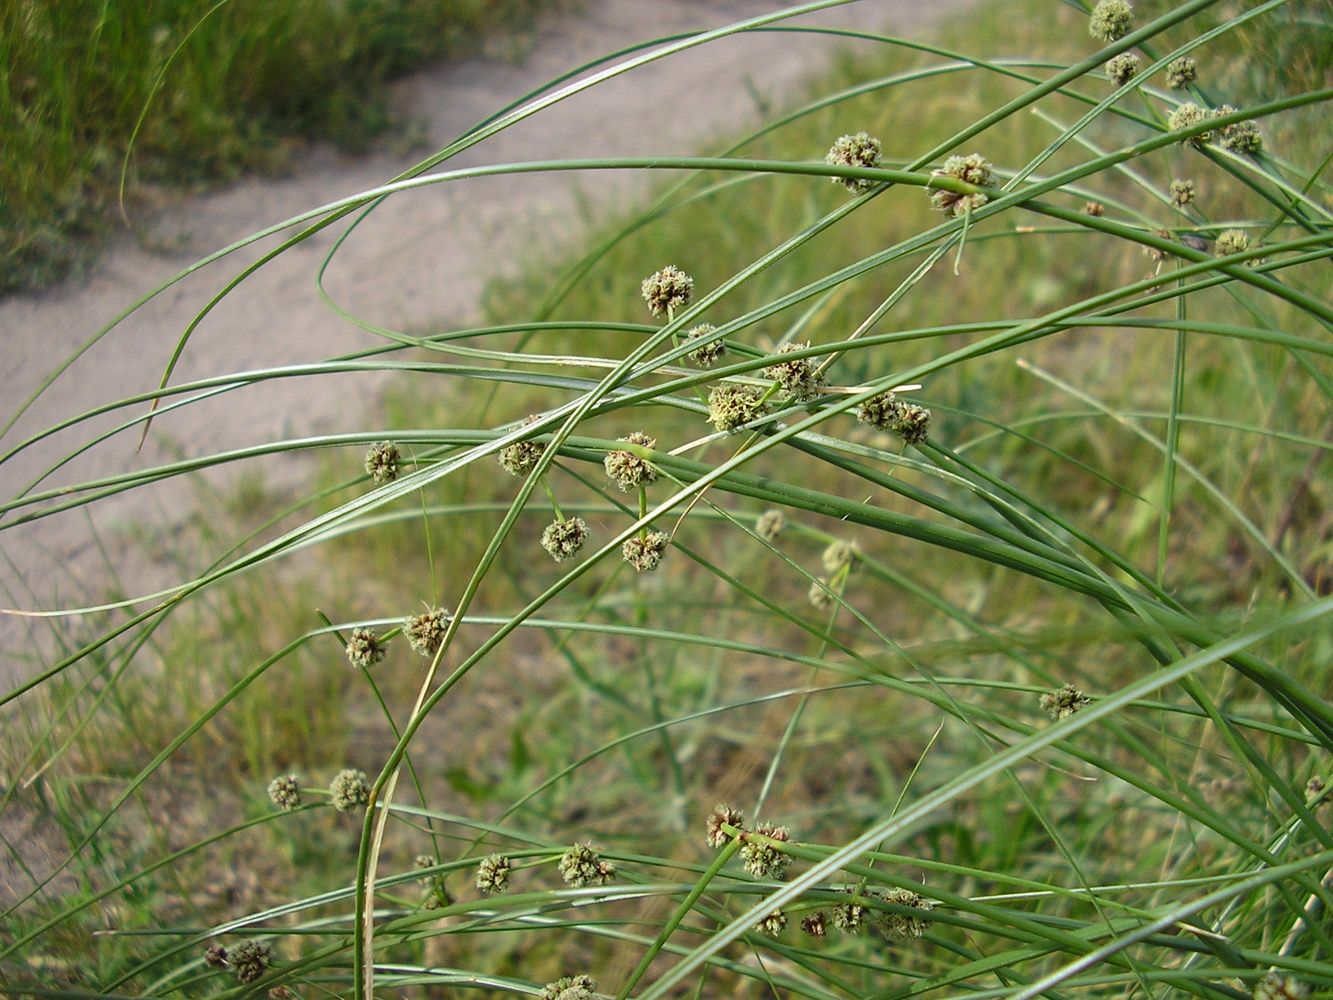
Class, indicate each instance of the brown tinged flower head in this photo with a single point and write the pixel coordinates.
(706, 354)
(365, 648)
(899, 926)
(764, 860)
(626, 469)
(1122, 68)
(1276, 986)
(425, 632)
(849, 917)
(667, 290)
(1111, 20)
(913, 424)
(424, 861)
(520, 458)
(569, 988)
(772, 924)
(770, 524)
(382, 462)
(857, 150)
(971, 169)
(1094, 208)
(1231, 241)
(1182, 192)
(349, 789)
(722, 815)
(1063, 702)
(733, 406)
(840, 555)
(889, 413)
(819, 594)
(1186, 116)
(493, 873)
(816, 925)
(248, 960)
(644, 552)
(1239, 137)
(285, 792)
(1181, 72)
(581, 865)
(798, 377)
(563, 539)
(215, 956)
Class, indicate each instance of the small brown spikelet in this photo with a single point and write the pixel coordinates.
(626, 469)
(722, 814)
(215, 956)
(1094, 208)
(425, 632)
(971, 169)
(365, 648)
(898, 926)
(773, 924)
(816, 925)
(645, 553)
(382, 462)
(667, 289)
(1063, 702)
(764, 860)
(858, 150)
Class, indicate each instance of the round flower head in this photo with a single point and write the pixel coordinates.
(819, 595)
(1276, 986)
(913, 423)
(382, 462)
(773, 924)
(569, 988)
(1181, 72)
(626, 469)
(723, 814)
(840, 555)
(900, 926)
(1154, 253)
(285, 792)
(705, 355)
(248, 960)
(520, 458)
(816, 925)
(1182, 192)
(1188, 115)
(849, 917)
(1121, 68)
(1111, 19)
(764, 860)
(364, 648)
(424, 861)
(644, 554)
(889, 413)
(1063, 702)
(562, 539)
(581, 865)
(971, 169)
(1231, 241)
(798, 377)
(493, 873)
(215, 956)
(667, 290)
(859, 150)
(1239, 137)
(1094, 208)
(425, 632)
(770, 524)
(733, 406)
(349, 789)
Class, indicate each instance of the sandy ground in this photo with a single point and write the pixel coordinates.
(422, 260)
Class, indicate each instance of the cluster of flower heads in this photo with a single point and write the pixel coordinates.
(248, 960)
(799, 378)
(1063, 702)
(762, 857)
(971, 169)
(889, 413)
(1276, 986)
(851, 916)
(382, 462)
(859, 150)
(569, 988)
(1238, 137)
(348, 790)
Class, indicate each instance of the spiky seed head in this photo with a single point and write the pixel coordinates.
(424, 861)
(899, 926)
(840, 555)
(248, 960)
(1182, 192)
(816, 924)
(215, 956)
(349, 789)
(770, 524)
(1181, 72)
(365, 648)
(1276, 986)
(1186, 116)
(569, 988)
(1063, 702)
(819, 595)
(644, 553)
(667, 289)
(1239, 137)
(520, 458)
(1231, 241)
(849, 917)
(1122, 68)
(723, 814)
(706, 354)
(798, 377)
(626, 469)
(763, 860)
(382, 462)
(971, 169)
(773, 924)
(493, 873)
(1094, 208)
(913, 423)
(733, 406)
(860, 149)
(879, 411)
(1111, 20)
(425, 632)
(581, 865)
(285, 792)
(563, 539)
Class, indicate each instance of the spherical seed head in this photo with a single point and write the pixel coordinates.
(773, 924)
(763, 860)
(722, 814)
(645, 553)
(1182, 192)
(1231, 241)
(1276, 986)
(1063, 702)
(581, 865)
(1186, 116)
(1239, 137)
(248, 960)
(840, 555)
(1180, 72)
(425, 632)
(798, 377)
(1094, 208)
(285, 792)
(668, 288)
(1111, 19)
(912, 424)
(627, 470)
(1121, 68)
(816, 925)
(971, 169)
(349, 789)
(563, 539)
(705, 355)
(898, 926)
(1154, 253)
(859, 150)
(215, 956)
(849, 917)
(382, 462)
(493, 873)
(733, 406)
(569, 988)
(770, 524)
(819, 595)
(880, 411)
(364, 648)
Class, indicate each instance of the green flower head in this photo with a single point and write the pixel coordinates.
(563, 539)
(365, 648)
(1181, 72)
(859, 150)
(1121, 68)
(1111, 20)
(667, 290)
(706, 354)
(645, 553)
(285, 792)
(1182, 192)
(626, 469)
(1063, 702)
(581, 865)
(349, 789)
(382, 462)
(798, 377)
(733, 406)
(1186, 116)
